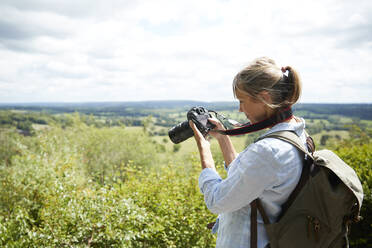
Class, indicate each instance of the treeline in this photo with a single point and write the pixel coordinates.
(145, 108)
(24, 121)
(320, 117)
(361, 111)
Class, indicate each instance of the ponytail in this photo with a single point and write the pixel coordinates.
(283, 85)
(295, 86)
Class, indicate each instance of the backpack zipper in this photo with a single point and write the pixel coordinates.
(313, 224)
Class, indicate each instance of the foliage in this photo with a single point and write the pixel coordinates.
(51, 197)
(176, 147)
(172, 200)
(324, 139)
(49, 203)
(22, 120)
(357, 152)
(9, 145)
(102, 152)
(362, 111)
(83, 186)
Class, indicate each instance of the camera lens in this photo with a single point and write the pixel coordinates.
(181, 132)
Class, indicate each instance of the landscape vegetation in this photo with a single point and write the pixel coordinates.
(107, 175)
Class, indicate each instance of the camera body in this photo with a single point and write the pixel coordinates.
(183, 131)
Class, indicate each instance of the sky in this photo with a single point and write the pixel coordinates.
(121, 50)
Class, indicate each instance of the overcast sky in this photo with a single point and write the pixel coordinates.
(121, 50)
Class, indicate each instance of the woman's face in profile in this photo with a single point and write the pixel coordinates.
(253, 109)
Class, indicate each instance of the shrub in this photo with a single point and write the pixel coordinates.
(9, 145)
(359, 156)
(50, 198)
(49, 208)
(171, 197)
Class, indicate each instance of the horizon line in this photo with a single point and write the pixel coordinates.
(143, 101)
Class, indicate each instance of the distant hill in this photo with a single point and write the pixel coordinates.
(101, 105)
(117, 107)
(361, 111)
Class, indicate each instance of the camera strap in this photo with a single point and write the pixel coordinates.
(269, 122)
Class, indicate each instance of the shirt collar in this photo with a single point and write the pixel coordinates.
(297, 127)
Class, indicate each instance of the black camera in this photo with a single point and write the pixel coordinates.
(183, 131)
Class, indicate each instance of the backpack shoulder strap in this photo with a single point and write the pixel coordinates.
(293, 139)
(290, 137)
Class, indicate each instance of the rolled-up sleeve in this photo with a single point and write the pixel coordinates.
(207, 177)
(249, 175)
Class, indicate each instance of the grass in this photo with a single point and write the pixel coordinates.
(39, 126)
(188, 148)
(367, 123)
(333, 133)
(134, 128)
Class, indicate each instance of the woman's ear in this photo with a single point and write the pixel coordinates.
(265, 95)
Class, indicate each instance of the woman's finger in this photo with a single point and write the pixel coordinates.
(217, 123)
(194, 128)
(197, 134)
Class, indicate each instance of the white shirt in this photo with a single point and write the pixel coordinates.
(269, 169)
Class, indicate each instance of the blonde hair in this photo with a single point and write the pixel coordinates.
(264, 75)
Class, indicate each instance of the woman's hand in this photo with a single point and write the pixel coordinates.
(214, 132)
(197, 134)
(227, 148)
(204, 148)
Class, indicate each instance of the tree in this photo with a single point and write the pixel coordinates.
(147, 123)
(324, 138)
(176, 147)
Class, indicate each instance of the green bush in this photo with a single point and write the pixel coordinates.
(97, 218)
(10, 145)
(172, 200)
(44, 206)
(51, 197)
(359, 156)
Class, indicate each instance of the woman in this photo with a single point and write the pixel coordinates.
(268, 169)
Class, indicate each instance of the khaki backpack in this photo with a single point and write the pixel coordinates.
(320, 210)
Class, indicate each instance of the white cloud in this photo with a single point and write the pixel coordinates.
(142, 50)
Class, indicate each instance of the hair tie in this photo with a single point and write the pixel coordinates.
(289, 77)
(286, 68)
